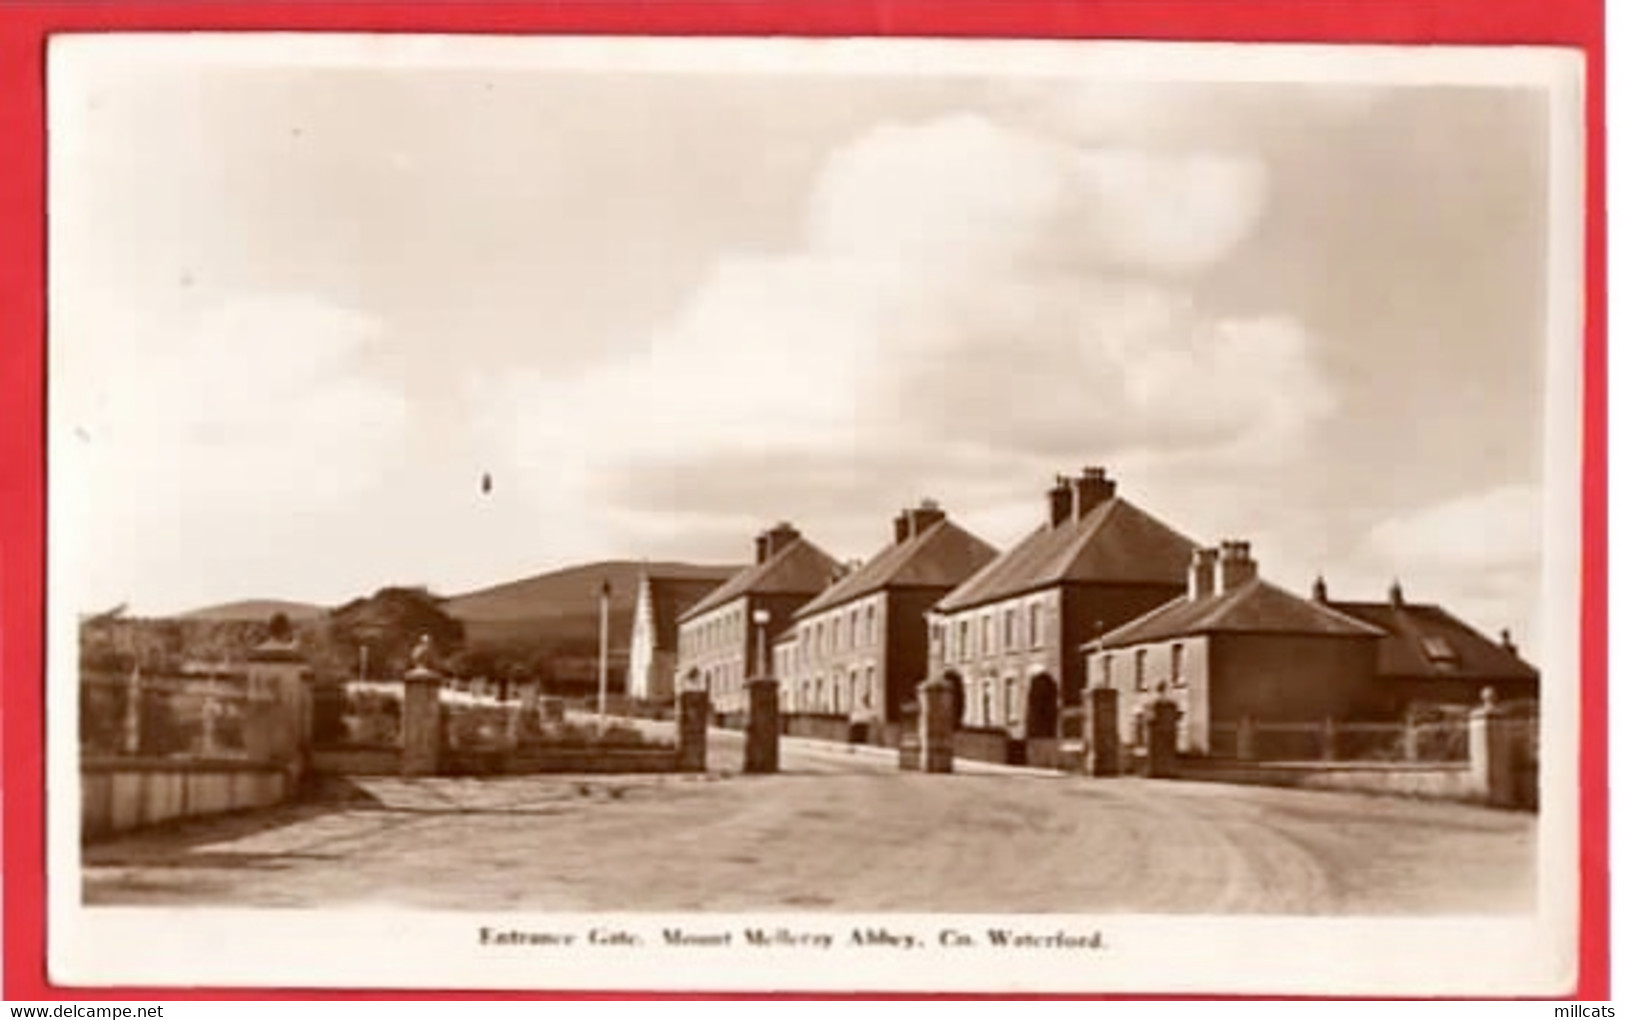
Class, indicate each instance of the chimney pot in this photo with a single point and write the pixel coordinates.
(1201, 574)
(772, 542)
(1236, 566)
(1060, 502)
(1091, 489)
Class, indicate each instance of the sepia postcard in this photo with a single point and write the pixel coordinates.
(841, 515)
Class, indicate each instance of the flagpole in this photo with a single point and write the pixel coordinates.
(603, 654)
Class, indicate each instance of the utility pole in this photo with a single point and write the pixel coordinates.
(603, 654)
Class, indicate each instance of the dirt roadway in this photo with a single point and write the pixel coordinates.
(839, 830)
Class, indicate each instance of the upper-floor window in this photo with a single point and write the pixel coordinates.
(869, 624)
(987, 635)
(964, 640)
(1139, 670)
(1106, 670)
(1035, 626)
(1176, 665)
(1012, 639)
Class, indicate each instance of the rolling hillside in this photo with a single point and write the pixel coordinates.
(256, 611)
(561, 608)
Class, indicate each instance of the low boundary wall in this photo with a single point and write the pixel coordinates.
(1435, 781)
(121, 794)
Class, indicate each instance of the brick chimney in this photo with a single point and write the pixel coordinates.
(1317, 591)
(1089, 490)
(775, 540)
(1060, 501)
(899, 528)
(1396, 594)
(1236, 566)
(923, 517)
(1507, 642)
(1201, 572)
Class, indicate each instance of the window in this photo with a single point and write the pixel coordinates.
(1035, 626)
(1176, 665)
(1440, 651)
(987, 702)
(1106, 670)
(987, 635)
(852, 628)
(964, 640)
(869, 625)
(1012, 701)
(1139, 670)
(870, 695)
(1011, 638)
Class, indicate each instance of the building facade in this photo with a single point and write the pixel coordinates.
(861, 647)
(661, 600)
(1010, 638)
(1233, 647)
(719, 644)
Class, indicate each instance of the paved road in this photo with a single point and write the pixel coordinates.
(839, 830)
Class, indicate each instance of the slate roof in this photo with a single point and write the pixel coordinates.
(671, 597)
(798, 568)
(1255, 606)
(941, 556)
(1406, 626)
(1116, 542)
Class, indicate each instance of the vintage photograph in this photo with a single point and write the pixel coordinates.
(812, 513)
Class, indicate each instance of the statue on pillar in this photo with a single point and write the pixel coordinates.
(423, 654)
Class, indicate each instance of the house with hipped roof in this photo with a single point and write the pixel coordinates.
(1428, 656)
(1235, 646)
(860, 648)
(1009, 637)
(720, 644)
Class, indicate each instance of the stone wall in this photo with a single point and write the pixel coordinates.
(121, 794)
(1441, 781)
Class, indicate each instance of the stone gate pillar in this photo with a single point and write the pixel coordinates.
(1491, 752)
(937, 723)
(420, 714)
(693, 715)
(1102, 749)
(1163, 740)
(762, 726)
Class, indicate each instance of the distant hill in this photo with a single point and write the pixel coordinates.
(561, 608)
(256, 611)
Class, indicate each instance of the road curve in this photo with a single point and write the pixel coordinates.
(842, 830)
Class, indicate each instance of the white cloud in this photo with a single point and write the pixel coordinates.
(215, 443)
(975, 305)
(1497, 529)
(1478, 554)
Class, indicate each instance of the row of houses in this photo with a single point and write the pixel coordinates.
(1101, 593)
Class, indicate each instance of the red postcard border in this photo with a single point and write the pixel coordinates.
(25, 28)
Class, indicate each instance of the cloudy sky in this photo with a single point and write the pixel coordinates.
(300, 306)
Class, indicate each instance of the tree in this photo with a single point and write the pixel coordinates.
(388, 623)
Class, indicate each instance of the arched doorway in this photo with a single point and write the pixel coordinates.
(1043, 706)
